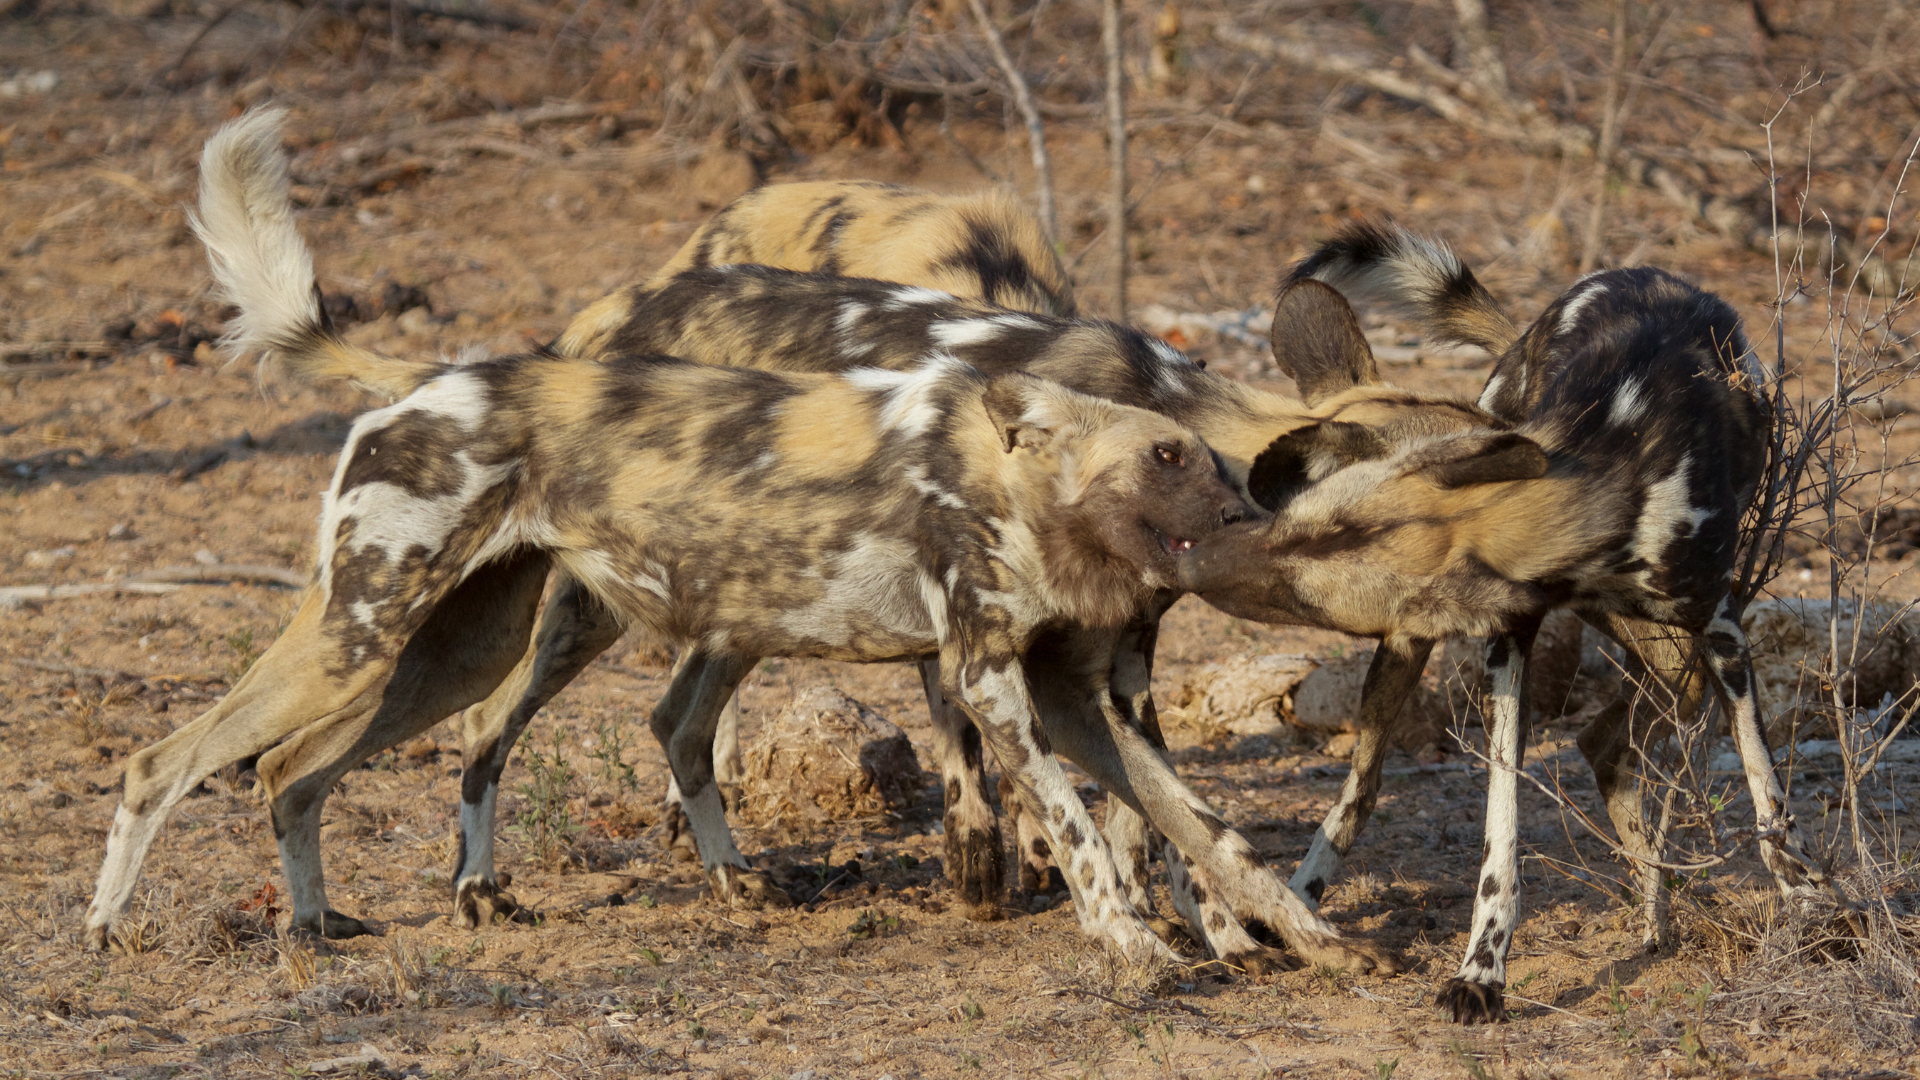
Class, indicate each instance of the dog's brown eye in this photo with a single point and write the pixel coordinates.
(1170, 456)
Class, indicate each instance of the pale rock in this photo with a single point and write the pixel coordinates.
(828, 757)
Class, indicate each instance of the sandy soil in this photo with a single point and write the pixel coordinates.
(125, 445)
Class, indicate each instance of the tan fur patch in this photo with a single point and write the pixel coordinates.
(817, 437)
(587, 334)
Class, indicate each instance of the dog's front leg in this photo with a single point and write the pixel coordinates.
(1219, 881)
(1474, 994)
(989, 682)
(976, 858)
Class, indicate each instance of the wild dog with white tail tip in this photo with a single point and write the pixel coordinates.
(865, 516)
(1638, 443)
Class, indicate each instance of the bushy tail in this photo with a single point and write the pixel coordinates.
(262, 266)
(1417, 275)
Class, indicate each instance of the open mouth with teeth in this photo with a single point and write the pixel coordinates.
(1172, 545)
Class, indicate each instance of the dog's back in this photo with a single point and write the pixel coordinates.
(1647, 382)
(982, 246)
(1641, 387)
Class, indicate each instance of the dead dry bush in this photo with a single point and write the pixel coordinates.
(1779, 967)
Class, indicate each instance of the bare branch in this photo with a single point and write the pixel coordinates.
(1117, 152)
(1023, 100)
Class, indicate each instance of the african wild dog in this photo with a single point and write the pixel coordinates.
(1096, 696)
(865, 516)
(982, 246)
(1638, 441)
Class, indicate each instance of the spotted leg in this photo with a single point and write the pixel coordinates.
(989, 682)
(1391, 679)
(976, 857)
(1223, 871)
(1131, 689)
(323, 708)
(574, 628)
(684, 722)
(1474, 993)
(725, 762)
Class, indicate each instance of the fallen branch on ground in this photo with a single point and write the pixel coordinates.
(155, 582)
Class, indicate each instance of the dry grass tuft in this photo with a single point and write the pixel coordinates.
(1856, 981)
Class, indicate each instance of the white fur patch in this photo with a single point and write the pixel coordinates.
(934, 599)
(476, 825)
(911, 406)
(707, 820)
(917, 476)
(908, 295)
(874, 585)
(846, 321)
(1017, 321)
(1578, 298)
(1488, 395)
(1665, 515)
(958, 333)
(385, 515)
(1629, 404)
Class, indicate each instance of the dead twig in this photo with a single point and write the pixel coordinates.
(154, 582)
(1023, 100)
(1116, 151)
(1609, 141)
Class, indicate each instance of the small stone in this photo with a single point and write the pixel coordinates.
(44, 560)
(61, 800)
(828, 757)
(205, 557)
(120, 531)
(1039, 904)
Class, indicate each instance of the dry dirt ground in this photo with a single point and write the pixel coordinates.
(127, 446)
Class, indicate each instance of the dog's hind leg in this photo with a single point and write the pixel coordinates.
(465, 645)
(725, 761)
(976, 856)
(1390, 682)
(1613, 741)
(1473, 995)
(1782, 847)
(574, 628)
(288, 688)
(684, 722)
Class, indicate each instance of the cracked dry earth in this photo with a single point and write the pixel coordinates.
(154, 457)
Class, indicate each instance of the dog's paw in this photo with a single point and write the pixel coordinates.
(976, 869)
(479, 902)
(1355, 956)
(1471, 1002)
(1258, 962)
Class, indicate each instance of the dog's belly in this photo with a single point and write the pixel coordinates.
(873, 602)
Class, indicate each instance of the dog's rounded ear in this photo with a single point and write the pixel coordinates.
(1490, 457)
(1294, 461)
(1017, 406)
(1316, 339)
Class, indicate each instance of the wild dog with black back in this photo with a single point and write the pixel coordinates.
(865, 516)
(1639, 443)
(981, 246)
